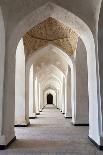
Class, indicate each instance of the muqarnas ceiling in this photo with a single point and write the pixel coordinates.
(51, 31)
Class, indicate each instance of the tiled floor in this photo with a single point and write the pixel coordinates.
(51, 134)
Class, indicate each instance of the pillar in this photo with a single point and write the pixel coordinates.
(58, 99)
(54, 98)
(21, 119)
(68, 111)
(37, 96)
(82, 103)
(63, 96)
(32, 113)
(40, 99)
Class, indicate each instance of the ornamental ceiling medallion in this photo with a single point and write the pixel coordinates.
(51, 31)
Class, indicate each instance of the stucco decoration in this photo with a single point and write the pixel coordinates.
(51, 31)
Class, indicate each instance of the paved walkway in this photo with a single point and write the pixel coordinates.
(51, 134)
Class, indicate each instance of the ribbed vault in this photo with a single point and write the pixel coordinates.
(51, 31)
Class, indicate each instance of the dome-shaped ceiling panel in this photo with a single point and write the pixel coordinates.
(51, 31)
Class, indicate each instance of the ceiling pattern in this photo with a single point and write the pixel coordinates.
(51, 58)
(51, 31)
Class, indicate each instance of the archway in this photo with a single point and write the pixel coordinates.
(50, 90)
(88, 40)
(54, 51)
(49, 98)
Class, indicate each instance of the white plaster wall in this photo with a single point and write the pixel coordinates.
(2, 62)
(82, 100)
(100, 57)
(20, 84)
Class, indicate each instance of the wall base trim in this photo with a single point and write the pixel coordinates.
(22, 125)
(80, 124)
(100, 147)
(3, 147)
(69, 117)
(32, 117)
(38, 113)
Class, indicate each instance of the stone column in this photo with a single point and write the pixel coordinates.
(40, 99)
(82, 101)
(32, 113)
(44, 98)
(63, 96)
(58, 99)
(34, 104)
(37, 97)
(54, 98)
(21, 118)
(68, 110)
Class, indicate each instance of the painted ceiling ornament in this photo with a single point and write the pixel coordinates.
(51, 31)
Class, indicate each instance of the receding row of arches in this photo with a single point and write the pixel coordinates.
(73, 80)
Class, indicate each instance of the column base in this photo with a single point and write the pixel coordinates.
(32, 117)
(38, 113)
(3, 147)
(67, 115)
(63, 112)
(100, 147)
(22, 125)
(76, 124)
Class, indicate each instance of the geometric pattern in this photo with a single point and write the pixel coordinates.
(51, 31)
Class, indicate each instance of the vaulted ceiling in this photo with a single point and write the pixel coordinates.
(50, 58)
(15, 11)
(51, 31)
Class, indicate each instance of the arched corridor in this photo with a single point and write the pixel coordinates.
(51, 76)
